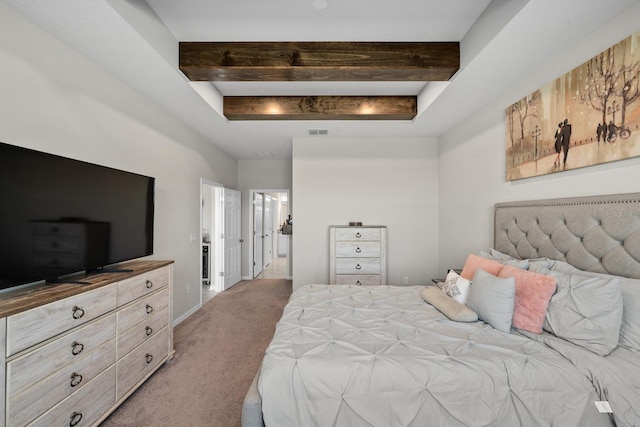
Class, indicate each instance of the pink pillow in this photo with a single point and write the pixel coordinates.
(533, 293)
(474, 262)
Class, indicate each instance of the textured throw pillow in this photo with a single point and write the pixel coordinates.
(456, 286)
(533, 292)
(586, 311)
(474, 262)
(630, 290)
(492, 298)
(448, 306)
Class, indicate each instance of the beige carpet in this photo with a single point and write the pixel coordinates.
(218, 350)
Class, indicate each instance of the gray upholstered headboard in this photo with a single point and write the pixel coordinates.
(597, 233)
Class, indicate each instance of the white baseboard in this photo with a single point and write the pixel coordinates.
(185, 315)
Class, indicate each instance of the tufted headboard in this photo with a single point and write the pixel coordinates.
(597, 233)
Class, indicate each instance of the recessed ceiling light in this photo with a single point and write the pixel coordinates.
(319, 4)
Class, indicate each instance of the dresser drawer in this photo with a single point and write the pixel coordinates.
(357, 266)
(36, 325)
(33, 401)
(31, 367)
(142, 331)
(357, 234)
(358, 279)
(142, 284)
(84, 407)
(358, 249)
(136, 365)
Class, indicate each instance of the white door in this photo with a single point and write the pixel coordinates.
(267, 251)
(232, 238)
(257, 233)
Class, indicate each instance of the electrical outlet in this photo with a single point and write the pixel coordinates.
(188, 289)
(193, 237)
(406, 280)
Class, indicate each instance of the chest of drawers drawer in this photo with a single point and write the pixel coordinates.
(357, 234)
(143, 284)
(357, 265)
(31, 327)
(358, 249)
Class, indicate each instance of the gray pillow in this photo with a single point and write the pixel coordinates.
(447, 305)
(492, 298)
(630, 290)
(586, 311)
(504, 259)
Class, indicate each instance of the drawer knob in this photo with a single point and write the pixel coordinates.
(75, 419)
(149, 309)
(148, 357)
(358, 235)
(54, 244)
(76, 348)
(77, 312)
(148, 330)
(76, 379)
(149, 284)
(358, 250)
(358, 267)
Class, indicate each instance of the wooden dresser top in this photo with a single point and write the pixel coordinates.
(14, 301)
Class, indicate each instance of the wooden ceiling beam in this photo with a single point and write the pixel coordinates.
(319, 61)
(320, 107)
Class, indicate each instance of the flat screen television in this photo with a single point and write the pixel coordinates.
(60, 216)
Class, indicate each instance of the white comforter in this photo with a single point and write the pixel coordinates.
(381, 356)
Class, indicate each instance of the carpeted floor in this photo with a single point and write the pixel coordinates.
(218, 350)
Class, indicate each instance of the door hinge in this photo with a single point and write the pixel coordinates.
(222, 274)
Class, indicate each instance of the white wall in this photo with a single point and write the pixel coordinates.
(258, 175)
(472, 156)
(383, 181)
(54, 100)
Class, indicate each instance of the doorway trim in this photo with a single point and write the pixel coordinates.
(214, 232)
(251, 220)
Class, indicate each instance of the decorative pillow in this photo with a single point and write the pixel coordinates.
(448, 306)
(630, 290)
(533, 292)
(456, 287)
(492, 298)
(504, 259)
(474, 262)
(586, 311)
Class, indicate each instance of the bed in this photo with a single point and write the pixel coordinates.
(569, 354)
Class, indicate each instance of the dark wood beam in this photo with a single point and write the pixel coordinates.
(320, 107)
(319, 61)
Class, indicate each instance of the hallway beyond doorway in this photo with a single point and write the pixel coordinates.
(277, 269)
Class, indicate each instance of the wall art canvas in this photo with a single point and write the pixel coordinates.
(588, 116)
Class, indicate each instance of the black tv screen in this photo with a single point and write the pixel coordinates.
(60, 216)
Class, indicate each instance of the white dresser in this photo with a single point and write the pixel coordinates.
(73, 353)
(357, 255)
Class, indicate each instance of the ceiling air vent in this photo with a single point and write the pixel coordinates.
(318, 131)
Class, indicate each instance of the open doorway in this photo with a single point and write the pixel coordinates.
(220, 260)
(271, 244)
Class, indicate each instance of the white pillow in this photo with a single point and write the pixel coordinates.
(456, 286)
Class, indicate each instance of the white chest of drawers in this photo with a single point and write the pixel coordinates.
(357, 255)
(73, 358)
